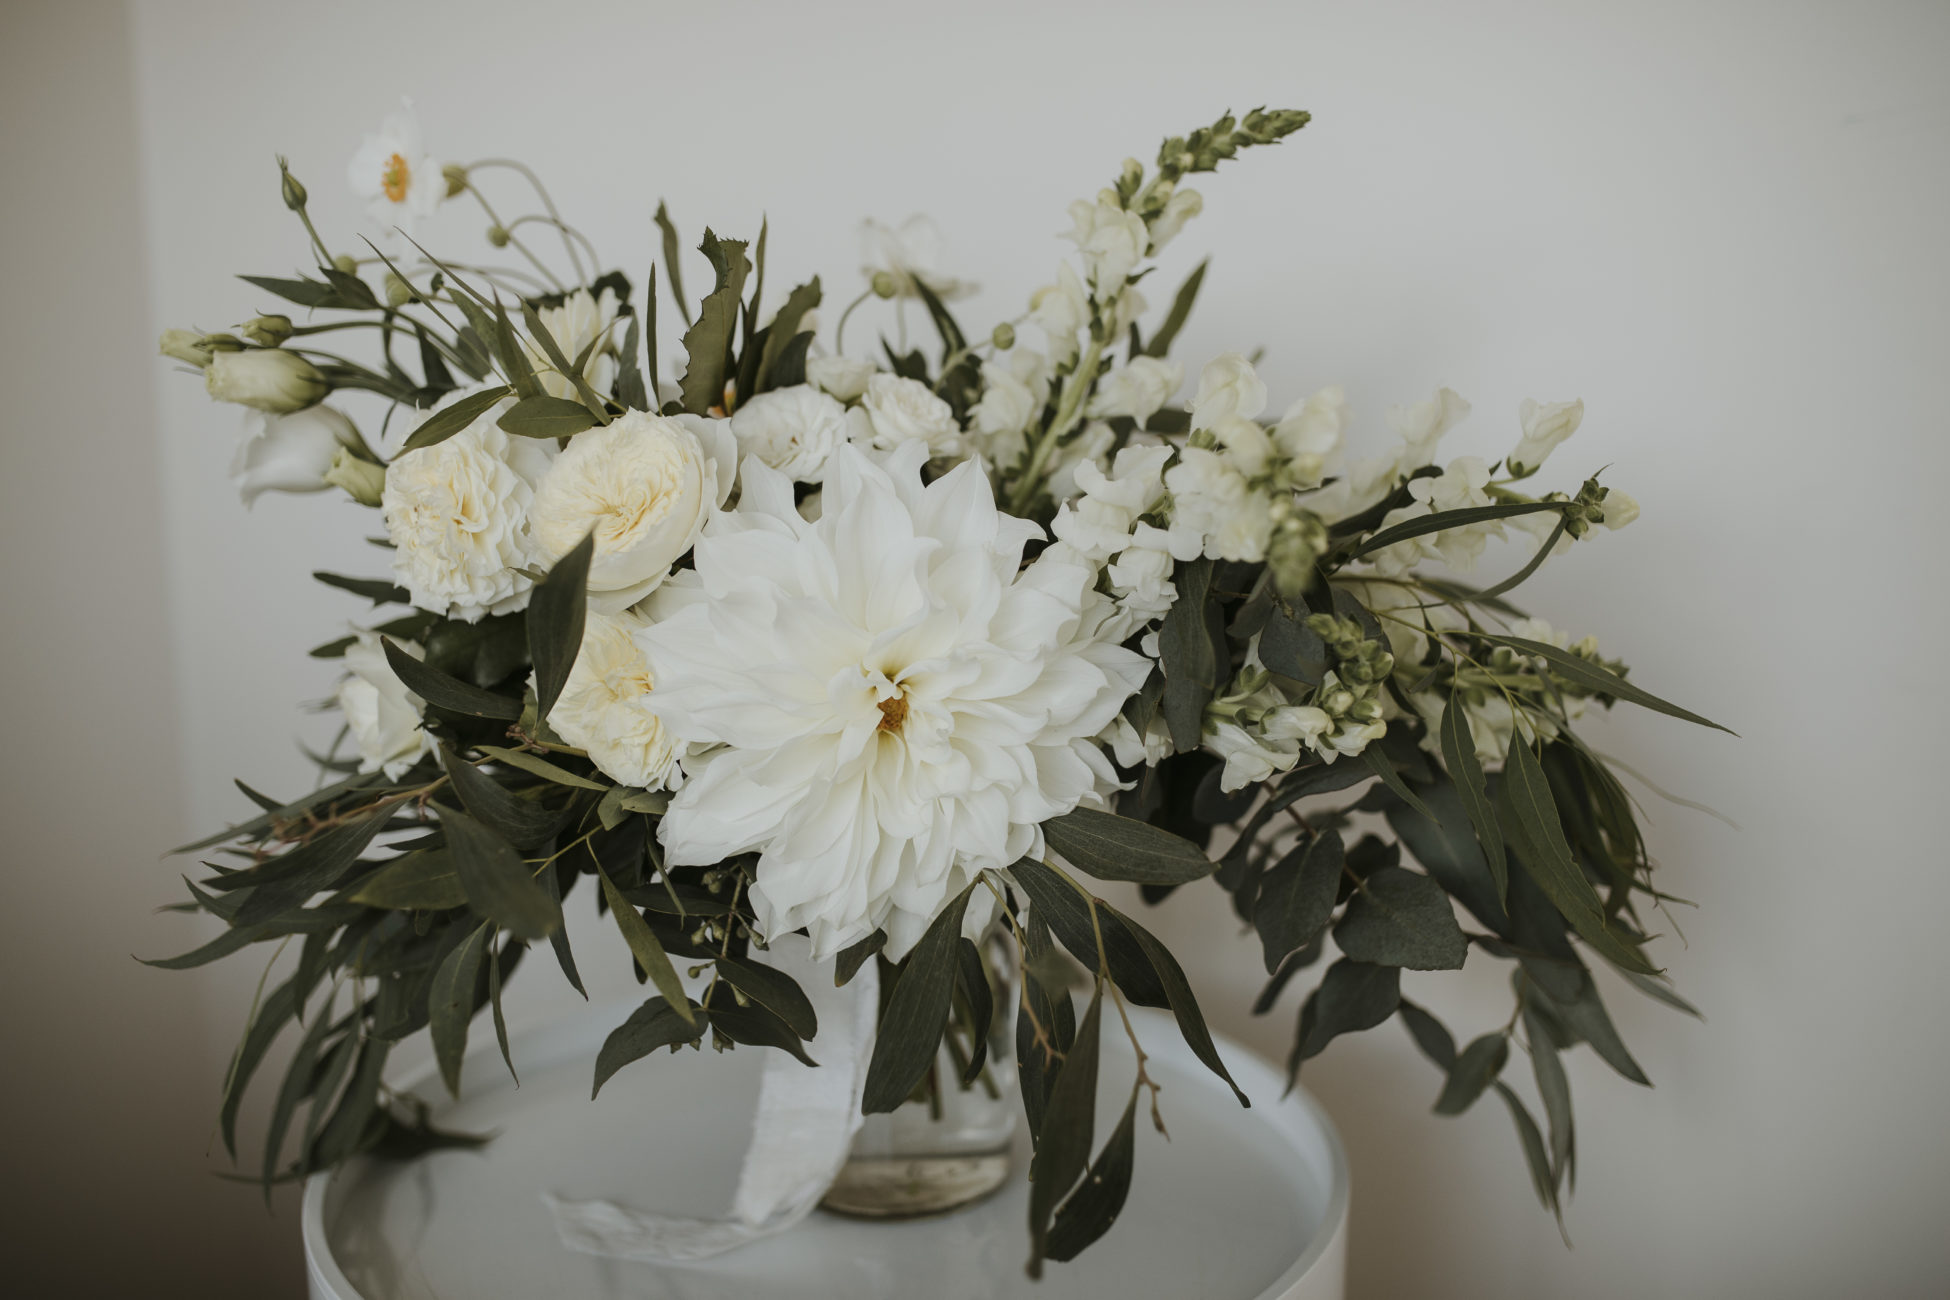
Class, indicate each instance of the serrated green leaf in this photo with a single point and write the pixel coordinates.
(913, 1017)
(1400, 918)
(557, 613)
(708, 342)
(645, 946)
(1111, 847)
(450, 1004)
(654, 1024)
(498, 883)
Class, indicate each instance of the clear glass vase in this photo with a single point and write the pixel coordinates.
(949, 1145)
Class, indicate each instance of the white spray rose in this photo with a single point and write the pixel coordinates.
(1228, 388)
(1110, 239)
(602, 708)
(1137, 389)
(580, 321)
(392, 171)
(844, 377)
(644, 484)
(794, 430)
(289, 453)
(382, 715)
(457, 516)
(905, 410)
(265, 379)
(1179, 208)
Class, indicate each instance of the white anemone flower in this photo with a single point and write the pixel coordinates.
(890, 701)
(910, 251)
(400, 181)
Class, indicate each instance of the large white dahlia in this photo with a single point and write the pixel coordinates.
(892, 703)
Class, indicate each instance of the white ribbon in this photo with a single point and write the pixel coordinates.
(806, 1122)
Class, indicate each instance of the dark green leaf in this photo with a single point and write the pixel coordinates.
(673, 266)
(450, 420)
(790, 368)
(424, 879)
(333, 649)
(351, 292)
(317, 865)
(304, 291)
(1534, 1152)
(513, 357)
(1181, 310)
(631, 390)
(350, 1125)
(376, 590)
(543, 416)
(494, 964)
(1450, 851)
(1656, 988)
(754, 1025)
(524, 823)
(1400, 918)
(1178, 992)
(1377, 761)
(1604, 682)
(854, 956)
(644, 945)
(1094, 1206)
(1063, 1149)
(1296, 899)
(1046, 1026)
(772, 989)
(1555, 1091)
(1459, 756)
(559, 941)
(972, 981)
(563, 366)
(1067, 911)
(450, 693)
(1429, 1035)
(912, 1019)
(269, 1020)
(1353, 996)
(1185, 646)
(785, 327)
(450, 1004)
(1293, 649)
(556, 614)
(1111, 847)
(708, 342)
(1443, 520)
(654, 1024)
(298, 1081)
(498, 883)
(536, 765)
(944, 324)
(1478, 1066)
(1584, 1015)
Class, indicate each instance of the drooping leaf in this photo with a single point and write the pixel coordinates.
(1067, 912)
(774, 990)
(1535, 1154)
(1450, 851)
(644, 945)
(1475, 1069)
(1443, 520)
(854, 956)
(1353, 995)
(1181, 310)
(1602, 680)
(1398, 917)
(1429, 1035)
(450, 693)
(270, 1017)
(1466, 771)
(450, 1004)
(499, 885)
(524, 823)
(298, 1081)
(311, 868)
(424, 880)
(1185, 647)
(376, 590)
(1063, 1147)
(1046, 1025)
(445, 423)
(1111, 847)
(1184, 1005)
(494, 965)
(972, 983)
(1091, 1210)
(1296, 900)
(1554, 1088)
(542, 416)
(912, 1019)
(1585, 1017)
(557, 613)
(754, 1025)
(654, 1024)
(673, 265)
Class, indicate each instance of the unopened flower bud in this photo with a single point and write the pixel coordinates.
(267, 331)
(362, 480)
(345, 263)
(293, 188)
(498, 236)
(456, 177)
(220, 343)
(1003, 336)
(398, 291)
(885, 285)
(184, 345)
(265, 379)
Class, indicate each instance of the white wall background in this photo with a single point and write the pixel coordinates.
(1720, 224)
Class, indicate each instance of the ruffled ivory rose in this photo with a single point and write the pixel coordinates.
(265, 379)
(644, 484)
(382, 715)
(794, 430)
(457, 516)
(289, 453)
(602, 708)
(580, 321)
(906, 410)
(887, 702)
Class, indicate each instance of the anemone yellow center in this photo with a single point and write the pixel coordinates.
(395, 178)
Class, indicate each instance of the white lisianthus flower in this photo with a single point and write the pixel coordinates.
(1060, 310)
(1137, 389)
(1544, 426)
(794, 430)
(1423, 424)
(892, 704)
(909, 252)
(457, 516)
(644, 484)
(382, 715)
(902, 410)
(289, 453)
(603, 705)
(844, 377)
(580, 321)
(265, 379)
(1309, 434)
(1228, 388)
(1111, 240)
(1181, 207)
(392, 171)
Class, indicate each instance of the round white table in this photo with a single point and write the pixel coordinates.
(1238, 1205)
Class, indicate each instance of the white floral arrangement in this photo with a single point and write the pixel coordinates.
(891, 650)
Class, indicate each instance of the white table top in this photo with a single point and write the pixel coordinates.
(1238, 1205)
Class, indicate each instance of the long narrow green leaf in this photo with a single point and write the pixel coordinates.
(1181, 310)
(450, 1004)
(1443, 520)
(542, 416)
(450, 693)
(1091, 1210)
(1592, 677)
(1063, 1149)
(673, 265)
(645, 947)
(1466, 772)
(568, 370)
(499, 884)
(444, 424)
(915, 1014)
(556, 615)
(1111, 847)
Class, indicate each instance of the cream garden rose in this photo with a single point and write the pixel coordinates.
(794, 430)
(603, 708)
(905, 410)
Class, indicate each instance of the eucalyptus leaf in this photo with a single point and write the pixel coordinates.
(1063, 1148)
(445, 692)
(542, 416)
(451, 419)
(451, 1004)
(1111, 847)
(1091, 1210)
(499, 885)
(654, 1024)
(1353, 995)
(424, 879)
(913, 1017)
(1466, 771)
(644, 945)
(1475, 1069)
(1400, 918)
(772, 989)
(557, 612)
(1296, 899)
(1292, 649)
(524, 823)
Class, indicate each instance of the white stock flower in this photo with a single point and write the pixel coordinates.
(1089, 447)
(1060, 310)
(794, 430)
(1544, 426)
(1620, 508)
(1111, 240)
(1423, 424)
(894, 704)
(580, 321)
(1228, 388)
(645, 484)
(902, 410)
(1460, 486)
(1137, 389)
(909, 252)
(394, 174)
(603, 705)
(382, 715)
(1181, 207)
(1132, 750)
(844, 377)
(457, 516)
(1309, 434)
(1214, 511)
(289, 453)
(1140, 576)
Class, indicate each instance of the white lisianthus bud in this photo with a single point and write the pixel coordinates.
(265, 379)
(903, 410)
(794, 430)
(1111, 240)
(382, 715)
(644, 484)
(602, 706)
(1228, 388)
(1621, 508)
(184, 346)
(290, 453)
(1137, 389)
(843, 377)
(363, 481)
(267, 331)
(1545, 425)
(1182, 207)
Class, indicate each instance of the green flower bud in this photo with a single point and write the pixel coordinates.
(184, 345)
(267, 331)
(456, 177)
(345, 263)
(398, 291)
(498, 236)
(265, 379)
(293, 188)
(1003, 336)
(220, 343)
(885, 284)
(362, 480)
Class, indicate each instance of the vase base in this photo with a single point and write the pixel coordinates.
(909, 1187)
